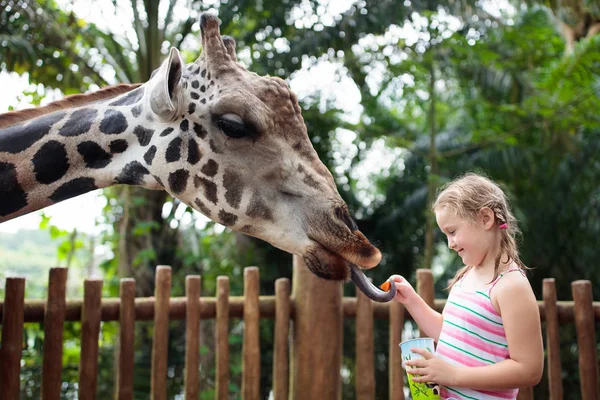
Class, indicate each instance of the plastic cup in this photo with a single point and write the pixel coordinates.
(419, 390)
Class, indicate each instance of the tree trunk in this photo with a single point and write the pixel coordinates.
(432, 177)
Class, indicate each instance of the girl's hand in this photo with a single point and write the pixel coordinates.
(431, 369)
(405, 293)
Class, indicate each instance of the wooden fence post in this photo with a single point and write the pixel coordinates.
(12, 338)
(586, 339)
(251, 344)
(222, 339)
(126, 354)
(552, 340)
(281, 366)
(365, 349)
(316, 354)
(192, 336)
(426, 289)
(160, 341)
(54, 319)
(396, 373)
(91, 314)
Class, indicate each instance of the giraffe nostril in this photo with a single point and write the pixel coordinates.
(343, 215)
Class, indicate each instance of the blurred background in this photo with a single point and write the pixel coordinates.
(399, 97)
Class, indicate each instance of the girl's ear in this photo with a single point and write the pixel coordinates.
(486, 217)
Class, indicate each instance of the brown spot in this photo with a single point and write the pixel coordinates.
(210, 189)
(202, 207)
(213, 147)
(250, 230)
(258, 209)
(310, 181)
(210, 168)
(234, 187)
(227, 219)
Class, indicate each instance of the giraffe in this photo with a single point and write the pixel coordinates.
(227, 142)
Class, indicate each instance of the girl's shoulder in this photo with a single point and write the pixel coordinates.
(512, 286)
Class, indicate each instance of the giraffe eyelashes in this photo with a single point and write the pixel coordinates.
(234, 127)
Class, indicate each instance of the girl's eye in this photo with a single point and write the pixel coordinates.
(452, 232)
(233, 126)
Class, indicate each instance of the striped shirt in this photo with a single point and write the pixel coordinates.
(473, 335)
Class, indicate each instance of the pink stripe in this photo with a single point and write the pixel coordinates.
(504, 394)
(475, 320)
(478, 299)
(480, 344)
(460, 358)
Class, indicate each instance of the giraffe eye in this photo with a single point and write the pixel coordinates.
(233, 126)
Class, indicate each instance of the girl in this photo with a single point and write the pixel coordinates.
(489, 340)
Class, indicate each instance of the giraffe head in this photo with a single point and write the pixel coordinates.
(260, 174)
(225, 141)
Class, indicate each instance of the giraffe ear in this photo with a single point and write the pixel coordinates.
(167, 86)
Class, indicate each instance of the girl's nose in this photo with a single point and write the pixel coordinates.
(451, 244)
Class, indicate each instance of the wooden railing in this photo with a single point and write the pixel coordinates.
(127, 309)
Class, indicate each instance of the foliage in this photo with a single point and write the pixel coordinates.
(444, 88)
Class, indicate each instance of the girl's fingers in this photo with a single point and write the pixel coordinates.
(426, 354)
(416, 363)
(415, 371)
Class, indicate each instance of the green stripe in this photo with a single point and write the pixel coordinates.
(476, 334)
(462, 394)
(466, 352)
(476, 313)
(483, 294)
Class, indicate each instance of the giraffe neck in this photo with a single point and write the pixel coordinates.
(70, 152)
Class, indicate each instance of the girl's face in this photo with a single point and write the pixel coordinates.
(473, 241)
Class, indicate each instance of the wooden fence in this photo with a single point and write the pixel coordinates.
(283, 307)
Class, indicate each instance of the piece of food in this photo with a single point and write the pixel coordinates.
(385, 286)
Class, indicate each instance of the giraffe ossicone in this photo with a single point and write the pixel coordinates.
(227, 142)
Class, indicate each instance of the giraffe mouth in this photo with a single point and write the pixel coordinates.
(330, 265)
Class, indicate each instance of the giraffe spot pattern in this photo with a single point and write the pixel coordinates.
(258, 209)
(137, 110)
(144, 135)
(191, 108)
(130, 98)
(226, 218)
(166, 132)
(210, 189)
(118, 146)
(185, 125)
(113, 123)
(17, 138)
(132, 174)
(210, 168)
(310, 181)
(79, 122)
(194, 95)
(200, 131)
(203, 88)
(193, 152)
(203, 74)
(234, 188)
(213, 147)
(195, 84)
(50, 162)
(174, 150)
(12, 195)
(149, 156)
(93, 155)
(73, 188)
(202, 207)
(178, 180)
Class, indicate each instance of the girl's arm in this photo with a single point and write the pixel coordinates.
(520, 315)
(429, 320)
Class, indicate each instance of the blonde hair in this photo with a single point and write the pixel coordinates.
(466, 196)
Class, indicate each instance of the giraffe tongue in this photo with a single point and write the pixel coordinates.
(370, 290)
